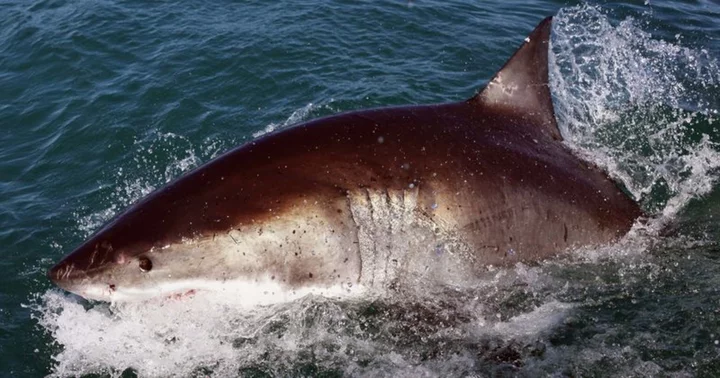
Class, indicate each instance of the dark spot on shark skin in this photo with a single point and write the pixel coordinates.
(310, 275)
(566, 232)
(145, 264)
(112, 287)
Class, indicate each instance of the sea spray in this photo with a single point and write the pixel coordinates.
(643, 109)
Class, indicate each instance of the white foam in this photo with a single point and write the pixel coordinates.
(220, 331)
(540, 319)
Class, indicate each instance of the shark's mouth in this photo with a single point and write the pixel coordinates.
(259, 292)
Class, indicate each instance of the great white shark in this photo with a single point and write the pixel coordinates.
(373, 198)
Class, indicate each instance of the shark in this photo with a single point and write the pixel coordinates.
(389, 197)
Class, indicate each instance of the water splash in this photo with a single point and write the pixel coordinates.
(156, 159)
(642, 108)
(377, 334)
(296, 117)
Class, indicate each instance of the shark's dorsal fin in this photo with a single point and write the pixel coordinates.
(521, 85)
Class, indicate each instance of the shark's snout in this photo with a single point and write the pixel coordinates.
(57, 272)
(76, 276)
(87, 260)
(63, 274)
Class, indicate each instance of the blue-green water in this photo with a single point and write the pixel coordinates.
(100, 102)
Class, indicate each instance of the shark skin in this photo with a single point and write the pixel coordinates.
(373, 198)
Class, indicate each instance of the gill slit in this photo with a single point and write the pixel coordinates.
(373, 234)
(357, 236)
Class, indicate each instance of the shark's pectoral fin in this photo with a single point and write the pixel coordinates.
(521, 85)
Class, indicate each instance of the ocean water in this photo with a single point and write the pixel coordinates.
(103, 101)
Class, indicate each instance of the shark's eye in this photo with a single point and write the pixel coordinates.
(145, 264)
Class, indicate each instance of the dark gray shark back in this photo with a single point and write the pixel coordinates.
(490, 173)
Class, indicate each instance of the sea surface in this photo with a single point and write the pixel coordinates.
(102, 102)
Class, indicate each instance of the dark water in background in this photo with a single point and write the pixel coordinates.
(100, 102)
